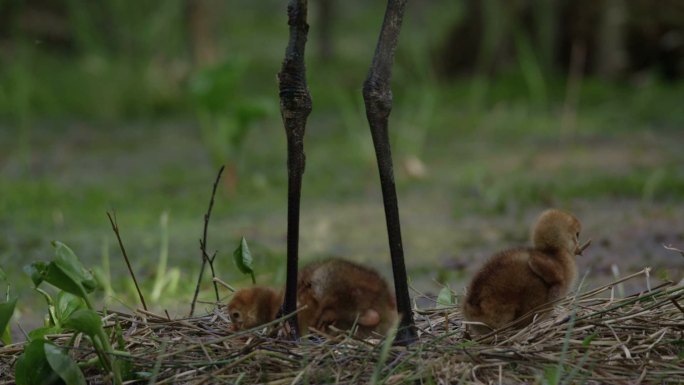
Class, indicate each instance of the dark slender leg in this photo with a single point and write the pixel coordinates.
(378, 98)
(295, 106)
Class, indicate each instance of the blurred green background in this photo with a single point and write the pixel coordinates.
(501, 109)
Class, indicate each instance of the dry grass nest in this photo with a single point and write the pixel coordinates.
(593, 337)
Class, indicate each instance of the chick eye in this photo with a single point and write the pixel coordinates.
(235, 316)
(577, 235)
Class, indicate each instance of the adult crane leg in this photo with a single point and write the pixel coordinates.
(378, 99)
(295, 106)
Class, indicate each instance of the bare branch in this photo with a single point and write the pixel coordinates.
(203, 247)
(115, 227)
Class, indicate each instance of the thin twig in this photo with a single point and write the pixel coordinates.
(671, 248)
(203, 247)
(115, 227)
(225, 284)
(677, 305)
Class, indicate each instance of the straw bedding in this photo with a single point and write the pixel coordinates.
(593, 337)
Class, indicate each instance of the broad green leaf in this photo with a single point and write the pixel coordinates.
(85, 321)
(65, 272)
(39, 333)
(33, 368)
(63, 365)
(68, 303)
(243, 259)
(65, 280)
(445, 298)
(6, 311)
(68, 261)
(37, 271)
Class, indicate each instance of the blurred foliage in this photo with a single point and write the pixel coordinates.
(224, 114)
(123, 59)
(612, 39)
(110, 105)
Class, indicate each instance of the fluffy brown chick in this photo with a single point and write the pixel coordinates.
(254, 306)
(514, 282)
(340, 293)
(335, 292)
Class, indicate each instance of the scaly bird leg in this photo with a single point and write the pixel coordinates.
(295, 106)
(378, 99)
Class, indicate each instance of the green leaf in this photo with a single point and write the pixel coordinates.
(6, 311)
(37, 271)
(69, 262)
(3, 276)
(68, 303)
(445, 298)
(65, 272)
(85, 321)
(587, 340)
(88, 322)
(243, 259)
(39, 333)
(551, 375)
(63, 365)
(65, 280)
(6, 336)
(33, 368)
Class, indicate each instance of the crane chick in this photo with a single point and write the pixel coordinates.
(253, 307)
(514, 282)
(340, 293)
(333, 292)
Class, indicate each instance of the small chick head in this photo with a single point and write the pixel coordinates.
(252, 307)
(557, 230)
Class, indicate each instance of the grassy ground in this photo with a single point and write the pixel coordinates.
(496, 152)
(483, 187)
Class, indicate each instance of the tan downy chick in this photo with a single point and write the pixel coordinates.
(340, 293)
(514, 282)
(253, 307)
(335, 292)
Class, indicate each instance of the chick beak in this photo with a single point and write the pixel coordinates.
(580, 250)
